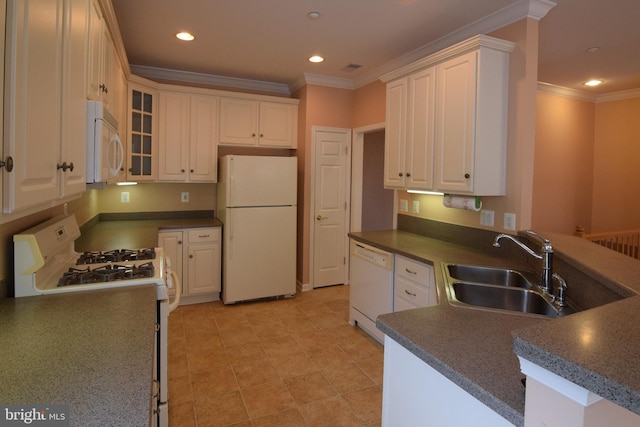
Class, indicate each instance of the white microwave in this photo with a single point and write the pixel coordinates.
(105, 152)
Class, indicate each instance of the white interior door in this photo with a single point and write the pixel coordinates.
(330, 211)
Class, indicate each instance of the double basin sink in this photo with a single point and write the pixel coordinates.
(505, 290)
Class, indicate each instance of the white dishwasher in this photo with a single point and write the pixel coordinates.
(371, 287)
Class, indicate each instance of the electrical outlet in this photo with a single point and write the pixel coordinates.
(416, 206)
(509, 221)
(184, 198)
(124, 197)
(404, 205)
(486, 217)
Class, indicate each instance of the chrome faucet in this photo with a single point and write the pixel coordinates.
(546, 255)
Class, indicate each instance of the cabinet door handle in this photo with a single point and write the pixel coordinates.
(320, 217)
(203, 236)
(409, 293)
(410, 272)
(408, 174)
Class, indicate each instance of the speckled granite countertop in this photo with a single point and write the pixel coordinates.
(92, 350)
(475, 349)
(133, 231)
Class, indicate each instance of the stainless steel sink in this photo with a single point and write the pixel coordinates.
(506, 290)
(489, 275)
(503, 298)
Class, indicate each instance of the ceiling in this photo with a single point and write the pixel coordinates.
(247, 42)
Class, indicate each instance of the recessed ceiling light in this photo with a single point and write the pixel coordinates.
(594, 82)
(316, 59)
(313, 14)
(185, 36)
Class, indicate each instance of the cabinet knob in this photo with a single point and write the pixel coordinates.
(190, 255)
(408, 174)
(191, 170)
(179, 242)
(182, 170)
(261, 135)
(467, 176)
(400, 174)
(253, 134)
(71, 166)
(8, 164)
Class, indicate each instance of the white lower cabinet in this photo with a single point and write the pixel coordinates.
(415, 394)
(195, 256)
(414, 284)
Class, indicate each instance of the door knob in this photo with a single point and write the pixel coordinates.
(320, 217)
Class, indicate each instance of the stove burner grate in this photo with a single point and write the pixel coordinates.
(117, 255)
(108, 273)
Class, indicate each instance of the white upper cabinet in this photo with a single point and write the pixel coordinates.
(447, 120)
(410, 132)
(258, 123)
(187, 137)
(141, 133)
(45, 102)
(101, 78)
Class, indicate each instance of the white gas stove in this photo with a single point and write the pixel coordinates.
(46, 262)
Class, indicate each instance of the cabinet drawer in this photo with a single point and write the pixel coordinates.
(414, 271)
(203, 235)
(400, 304)
(412, 293)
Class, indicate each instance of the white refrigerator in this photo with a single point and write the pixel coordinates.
(257, 205)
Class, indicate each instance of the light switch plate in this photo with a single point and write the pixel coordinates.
(184, 197)
(486, 217)
(509, 221)
(416, 206)
(404, 205)
(124, 197)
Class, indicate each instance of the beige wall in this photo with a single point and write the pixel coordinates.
(585, 165)
(615, 174)
(564, 158)
(150, 197)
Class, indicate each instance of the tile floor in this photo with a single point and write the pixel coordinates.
(293, 362)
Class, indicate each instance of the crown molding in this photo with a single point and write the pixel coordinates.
(455, 50)
(209, 79)
(586, 96)
(566, 92)
(618, 96)
(319, 80)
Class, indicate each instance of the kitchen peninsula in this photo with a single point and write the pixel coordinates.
(473, 350)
